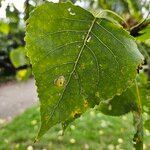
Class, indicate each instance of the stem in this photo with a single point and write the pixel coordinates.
(113, 13)
(26, 9)
(138, 136)
(138, 97)
(138, 123)
(134, 31)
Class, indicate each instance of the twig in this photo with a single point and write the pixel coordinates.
(114, 14)
(134, 31)
(138, 123)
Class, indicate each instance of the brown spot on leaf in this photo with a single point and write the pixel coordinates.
(140, 67)
(76, 113)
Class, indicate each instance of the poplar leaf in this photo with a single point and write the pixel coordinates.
(78, 60)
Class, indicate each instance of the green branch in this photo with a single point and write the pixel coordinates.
(138, 123)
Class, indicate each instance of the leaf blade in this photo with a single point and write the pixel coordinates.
(120, 104)
(64, 41)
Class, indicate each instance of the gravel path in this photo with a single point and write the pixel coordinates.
(15, 97)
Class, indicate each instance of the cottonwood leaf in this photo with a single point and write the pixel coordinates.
(120, 104)
(78, 60)
(145, 35)
(128, 100)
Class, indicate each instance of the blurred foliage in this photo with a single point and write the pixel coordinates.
(17, 57)
(12, 32)
(4, 27)
(11, 37)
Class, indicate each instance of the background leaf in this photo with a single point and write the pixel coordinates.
(120, 105)
(145, 35)
(135, 8)
(17, 57)
(4, 27)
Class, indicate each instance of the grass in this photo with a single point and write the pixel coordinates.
(93, 131)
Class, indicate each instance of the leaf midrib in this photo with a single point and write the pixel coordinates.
(75, 65)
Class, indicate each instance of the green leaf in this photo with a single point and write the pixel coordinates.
(17, 57)
(78, 60)
(120, 105)
(135, 8)
(145, 35)
(4, 27)
(128, 100)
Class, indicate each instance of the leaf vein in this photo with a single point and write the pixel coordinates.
(64, 64)
(111, 34)
(56, 49)
(96, 60)
(62, 31)
(74, 19)
(76, 62)
(106, 47)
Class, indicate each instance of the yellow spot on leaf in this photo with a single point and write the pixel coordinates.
(60, 81)
(47, 118)
(122, 70)
(82, 66)
(85, 103)
(97, 94)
